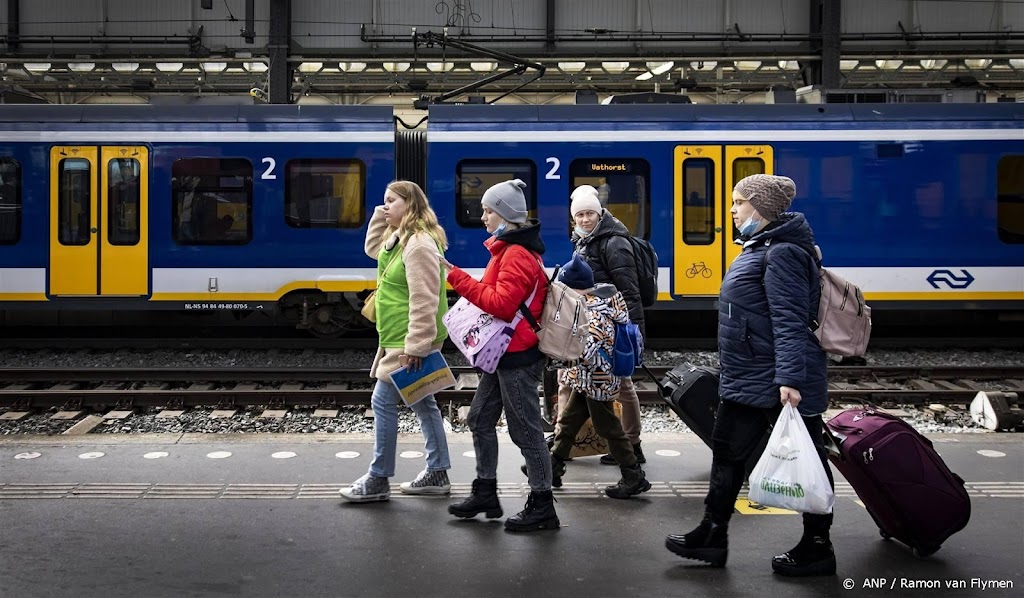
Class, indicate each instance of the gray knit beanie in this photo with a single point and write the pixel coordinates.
(507, 200)
(769, 194)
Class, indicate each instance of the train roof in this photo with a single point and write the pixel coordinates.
(838, 113)
(134, 113)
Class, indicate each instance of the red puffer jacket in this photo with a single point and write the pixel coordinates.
(511, 275)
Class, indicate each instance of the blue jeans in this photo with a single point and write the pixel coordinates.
(385, 404)
(515, 390)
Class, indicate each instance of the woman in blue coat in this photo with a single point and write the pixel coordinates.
(769, 357)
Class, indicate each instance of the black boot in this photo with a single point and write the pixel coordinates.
(484, 499)
(610, 460)
(538, 514)
(812, 556)
(557, 470)
(633, 482)
(709, 542)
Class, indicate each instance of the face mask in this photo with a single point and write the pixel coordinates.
(748, 227)
(580, 232)
(500, 229)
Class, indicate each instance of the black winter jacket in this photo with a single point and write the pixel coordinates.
(764, 335)
(609, 253)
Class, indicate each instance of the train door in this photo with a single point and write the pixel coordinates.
(704, 232)
(99, 242)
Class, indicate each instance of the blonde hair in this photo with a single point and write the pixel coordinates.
(419, 216)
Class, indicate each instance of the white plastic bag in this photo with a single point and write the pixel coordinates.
(789, 474)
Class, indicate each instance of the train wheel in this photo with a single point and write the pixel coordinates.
(334, 320)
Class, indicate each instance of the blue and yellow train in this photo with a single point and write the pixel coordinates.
(264, 208)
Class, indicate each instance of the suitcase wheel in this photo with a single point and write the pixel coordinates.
(884, 535)
(924, 552)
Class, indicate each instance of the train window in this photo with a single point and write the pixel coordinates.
(744, 167)
(1010, 203)
(74, 206)
(698, 201)
(325, 193)
(211, 201)
(473, 177)
(623, 186)
(10, 201)
(123, 215)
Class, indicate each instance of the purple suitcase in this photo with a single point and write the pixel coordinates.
(905, 485)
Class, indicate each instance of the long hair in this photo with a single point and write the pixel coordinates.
(419, 216)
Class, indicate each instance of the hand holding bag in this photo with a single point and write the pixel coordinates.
(481, 337)
(790, 474)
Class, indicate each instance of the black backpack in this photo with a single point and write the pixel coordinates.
(646, 270)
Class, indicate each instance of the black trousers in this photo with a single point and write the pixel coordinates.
(738, 432)
(602, 415)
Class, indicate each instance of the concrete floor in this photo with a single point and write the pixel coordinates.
(107, 525)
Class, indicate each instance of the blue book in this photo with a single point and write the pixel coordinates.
(433, 376)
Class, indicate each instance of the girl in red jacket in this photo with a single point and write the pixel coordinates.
(513, 272)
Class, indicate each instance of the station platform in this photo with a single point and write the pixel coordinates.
(236, 515)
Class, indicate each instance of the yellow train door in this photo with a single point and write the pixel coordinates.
(99, 244)
(704, 231)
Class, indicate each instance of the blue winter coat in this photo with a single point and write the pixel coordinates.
(764, 335)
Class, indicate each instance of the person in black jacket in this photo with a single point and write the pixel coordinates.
(769, 357)
(603, 241)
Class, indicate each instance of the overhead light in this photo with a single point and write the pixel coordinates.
(644, 76)
(571, 67)
(848, 65)
(978, 63)
(310, 67)
(396, 67)
(789, 65)
(125, 67)
(615, 67)
(748, 65)
(932, 64)
(440, 67)
(256, 67)
(483, 67)
(169, 67)
(214, 67)
(1017, 63)
(81, 67)
(889, 65)
(37, 67)
(704, 65)
(352, 67)
(660, 68)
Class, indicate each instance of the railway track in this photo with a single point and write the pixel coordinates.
(23, 390)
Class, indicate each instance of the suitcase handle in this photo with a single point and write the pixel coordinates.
(881, 414)
(661, 389)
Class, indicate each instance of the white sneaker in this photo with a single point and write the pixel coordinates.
(428, 482)
(367, 489)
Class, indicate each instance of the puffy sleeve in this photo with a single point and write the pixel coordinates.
(621, 264)
(423, 277)
(375, 233)
(787, 285)
(518, 275)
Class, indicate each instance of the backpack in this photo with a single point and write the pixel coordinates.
(646, 270)
(842, 321)
(627, 350)
(564, 325)
(646, 260)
